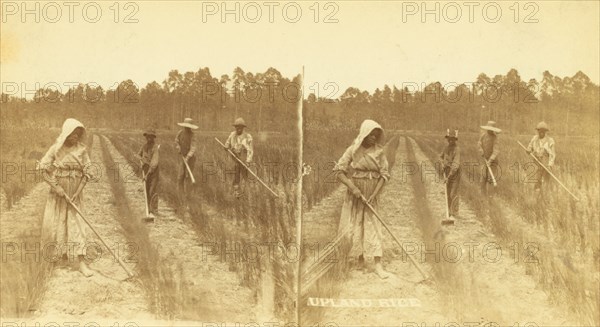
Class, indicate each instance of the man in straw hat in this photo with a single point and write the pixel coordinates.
(451, 170)
(149, 159)
(184, 144)
(488, 149)
(542, 147)
(240, 143)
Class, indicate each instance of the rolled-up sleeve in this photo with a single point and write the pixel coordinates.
(551, 152)
(89, 170)
(154, 159)
(249, 148)
(229, 141)
(455, 164)
(530, 146)
(46, 165)
(178, 141)
(192, 149)
(384, 169)
(495, 151)
(48, 159)
(344, 162)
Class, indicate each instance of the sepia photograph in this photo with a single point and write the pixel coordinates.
(454, 166)
(300, 163)
(150, 168)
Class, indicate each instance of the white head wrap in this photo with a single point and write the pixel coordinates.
(68, 127)
(366, 128)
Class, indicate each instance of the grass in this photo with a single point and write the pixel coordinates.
(158, 281)
(565, 230)
(256, 218)
(321, 181)
(20, 148)
(23, 282)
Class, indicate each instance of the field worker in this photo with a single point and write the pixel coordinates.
(149, 160)
(542, 147)
(184, 143)
(451, 171)
(488, 149)
(363, 168)
(66, 168)
(240, 143)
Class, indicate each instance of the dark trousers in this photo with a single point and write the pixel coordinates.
(487, 186)
(183, 173)
(452, 191)
(240, 171)
(541, 177)
(152, 189)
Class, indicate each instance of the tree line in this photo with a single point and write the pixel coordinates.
(267, 101)
(569, 104)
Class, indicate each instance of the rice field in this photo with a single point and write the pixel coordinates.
(565, 230)
(256, 218)
(320, 182)
(20, 148)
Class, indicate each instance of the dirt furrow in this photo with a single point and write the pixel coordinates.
(486, 283)
(397, 208)
(69, 294)
(215, 289)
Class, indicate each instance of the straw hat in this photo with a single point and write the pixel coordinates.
(542, 125)
(150, 131)
(491, 126)
(239, 122)
(455, 136)
(188, 123)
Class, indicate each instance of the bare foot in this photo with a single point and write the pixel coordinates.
(85, 270)
(380, 272)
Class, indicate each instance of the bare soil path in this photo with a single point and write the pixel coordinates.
(216, 290)
(397, 208)
(70, 295)
(475, 280)
(486, 281)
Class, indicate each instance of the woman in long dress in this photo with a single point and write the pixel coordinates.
(66, 168)
(363, 168)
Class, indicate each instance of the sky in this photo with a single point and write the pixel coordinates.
(345, 43)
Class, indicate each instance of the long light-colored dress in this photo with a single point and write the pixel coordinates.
(62, 228)
(364, 166)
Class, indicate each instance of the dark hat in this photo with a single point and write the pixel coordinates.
(150, 131)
